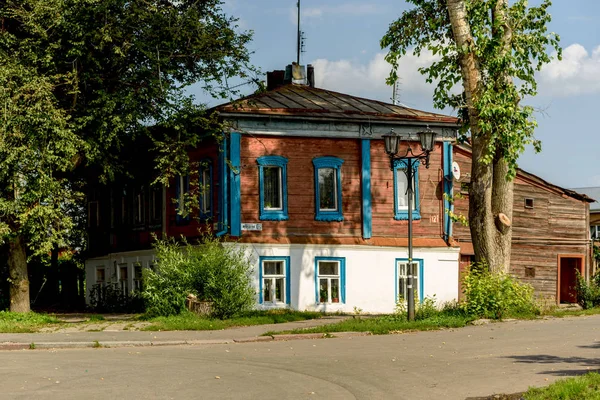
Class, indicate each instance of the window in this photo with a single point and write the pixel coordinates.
(139, 207)
(137, 278)
(124, 206)
(528, 203)
(182, 187)
(205, 181)
(93, 214)
(402, 279)
(330, 276)
(156, 204)
(100, 276)
(123, 279)
(401, 190)
(328, 189)
(274, 280)
(272, 176)
(595, 232)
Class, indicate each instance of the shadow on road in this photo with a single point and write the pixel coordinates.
(584, 364)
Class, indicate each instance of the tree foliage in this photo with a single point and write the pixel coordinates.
(493, 49)
(501, 115)
(80, 82)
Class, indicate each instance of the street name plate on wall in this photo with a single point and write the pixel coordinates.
(252, 227)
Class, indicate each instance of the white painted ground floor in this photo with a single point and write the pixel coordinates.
(317, 277)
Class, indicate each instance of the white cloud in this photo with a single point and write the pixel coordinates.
(343, 9)
(368, 80)
(576, 73)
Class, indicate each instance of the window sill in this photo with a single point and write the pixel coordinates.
(273, 216)
(333, 217)
(403, 216)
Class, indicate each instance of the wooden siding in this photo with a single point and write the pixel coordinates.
(557, 224)
(206, 151)
(301, 186)
(301, 190)
(430, 196)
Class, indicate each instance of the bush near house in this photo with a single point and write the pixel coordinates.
(211, 271)
(496, 295)
(588, 294)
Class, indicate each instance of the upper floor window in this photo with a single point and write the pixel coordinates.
(182, 187)
(205, 181)
(156, 204)
(272, 176)
(401, 190)
(139, 209)
(328, 189)
(595, 232)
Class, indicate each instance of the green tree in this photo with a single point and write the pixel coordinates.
(81, 80)
(493, 49)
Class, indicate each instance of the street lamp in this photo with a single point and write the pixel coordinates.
(392, 144)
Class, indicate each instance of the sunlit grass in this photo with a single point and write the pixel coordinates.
(25, 322)
(586, 387)
(190, 322)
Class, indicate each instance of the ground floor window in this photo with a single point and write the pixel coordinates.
(123, 279)
(402, 279)
(137, 277)
(274, 280)
(100, 276)
(330, 280)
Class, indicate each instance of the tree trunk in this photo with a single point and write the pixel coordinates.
(491, 194)
(17, 271)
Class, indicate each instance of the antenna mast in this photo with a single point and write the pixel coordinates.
(299, 36)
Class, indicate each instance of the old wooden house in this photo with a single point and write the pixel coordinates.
(303, 181)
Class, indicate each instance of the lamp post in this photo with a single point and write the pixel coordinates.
(392, 144)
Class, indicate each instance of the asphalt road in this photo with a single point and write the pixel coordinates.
(475, 361)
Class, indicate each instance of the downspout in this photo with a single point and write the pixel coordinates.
(224, 187)
(448, 190)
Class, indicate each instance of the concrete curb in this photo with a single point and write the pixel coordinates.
(148, 343)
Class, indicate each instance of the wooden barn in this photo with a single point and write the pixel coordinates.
(550, 238)
(303, 182)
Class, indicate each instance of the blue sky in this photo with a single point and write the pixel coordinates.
(342, 42)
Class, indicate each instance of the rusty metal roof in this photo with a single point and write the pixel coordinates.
(308, 102)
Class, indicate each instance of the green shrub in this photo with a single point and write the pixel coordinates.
(496, 295)
(423, 310)
(588, 294)
(212, 271)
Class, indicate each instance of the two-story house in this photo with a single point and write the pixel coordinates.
(303, 181)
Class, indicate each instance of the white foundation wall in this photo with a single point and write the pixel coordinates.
(370, 273)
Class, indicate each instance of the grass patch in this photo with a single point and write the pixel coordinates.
(573, 313)
(389, 324)
(586, 387)
(96, 317)
(25, 322)
(191, 322)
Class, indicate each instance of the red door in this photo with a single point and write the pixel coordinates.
(568, 279)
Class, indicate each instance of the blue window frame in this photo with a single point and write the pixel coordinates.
(205, 179)
(272, 176)
(182, 187)
(400, 190)
(401, 273)
(274, 280)
(330, 280)
(328, 189)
